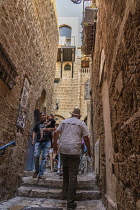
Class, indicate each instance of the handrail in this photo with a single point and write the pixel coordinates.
(7, 145)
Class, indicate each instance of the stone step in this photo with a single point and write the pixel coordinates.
(40, 192)
(22, 202)
(50, 182)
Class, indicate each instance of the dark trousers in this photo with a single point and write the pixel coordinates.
(70, 170)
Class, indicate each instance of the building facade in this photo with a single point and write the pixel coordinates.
(72, 77)
(115, 103)
(28, 46)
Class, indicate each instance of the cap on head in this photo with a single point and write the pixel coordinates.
(76, 112)
(42, 112)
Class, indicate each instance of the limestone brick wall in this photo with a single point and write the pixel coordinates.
(66, 91)
(29, 35)
(70, 91)
(84, 77)
(116, 102)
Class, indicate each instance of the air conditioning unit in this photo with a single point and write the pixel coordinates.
(90, 15)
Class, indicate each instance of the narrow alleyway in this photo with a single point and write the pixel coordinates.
(57, 55)
(45, 194)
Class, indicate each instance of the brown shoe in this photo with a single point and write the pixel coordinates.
(35, 174)
(71, 206)
(41, 177)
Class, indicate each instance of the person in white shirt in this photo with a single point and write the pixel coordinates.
(71, 131)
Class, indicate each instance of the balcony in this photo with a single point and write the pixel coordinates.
(85, 65)
(66, 49)
(67, 41)
(89, 29)
(85, 70)
(88, 39)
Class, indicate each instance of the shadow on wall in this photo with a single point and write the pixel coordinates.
(29, 166)
(40, 106)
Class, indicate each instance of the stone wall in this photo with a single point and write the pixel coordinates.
(70, 91)
(29, 36)
(116, 102)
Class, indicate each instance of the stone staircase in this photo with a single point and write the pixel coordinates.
(38, 194)
(51, 187)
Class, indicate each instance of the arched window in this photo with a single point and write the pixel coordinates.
(67, 67)
(65, 35)
(87, 90)
(65, 31)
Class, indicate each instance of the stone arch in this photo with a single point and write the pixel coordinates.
(65, 30)
(39, 107)
(58, 119)
(40, 103)
(67, 67)
(65, 25)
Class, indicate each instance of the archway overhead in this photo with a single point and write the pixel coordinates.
(40, 103)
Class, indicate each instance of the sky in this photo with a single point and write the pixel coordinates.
(66, 8)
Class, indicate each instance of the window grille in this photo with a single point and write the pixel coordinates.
(8, 71)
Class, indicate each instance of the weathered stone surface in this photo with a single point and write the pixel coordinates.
(29, 35)
(70, 91)
(51, 187)
(35, 192)
(117, 33)
(86, 183)
(42, 202)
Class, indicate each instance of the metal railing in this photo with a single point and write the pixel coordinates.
(85, 70)
(67, 41)
(5, 146)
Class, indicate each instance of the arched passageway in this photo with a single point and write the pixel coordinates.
(40, 106)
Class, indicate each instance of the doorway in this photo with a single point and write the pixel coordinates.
(30, 152)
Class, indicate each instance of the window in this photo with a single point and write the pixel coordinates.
(65, 31)
(56, 80)
(67, 67)
(87, 90)
(65, 35)
(84, 64)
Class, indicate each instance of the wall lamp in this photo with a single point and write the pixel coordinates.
(56, 104)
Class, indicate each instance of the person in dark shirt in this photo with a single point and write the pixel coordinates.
(50, 123)
(43, 146)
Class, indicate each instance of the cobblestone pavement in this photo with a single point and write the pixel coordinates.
(19, 203)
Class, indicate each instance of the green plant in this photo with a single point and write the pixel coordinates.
(94, 5)
(84, 24)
